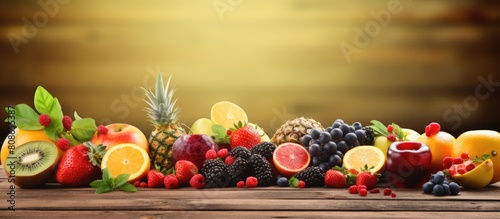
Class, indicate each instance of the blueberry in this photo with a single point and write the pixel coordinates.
(315, 133)
(336, 133)
(342, 147)
(339, 120)
(446, 189)
(282, 182)
(325, 137)
(305, 140)
(340, 154)
(335, 160)
(336, 124)
(454, 188)
(324, 166)
(438, 190)
(330, 148)
(345, 128)
(350, 139)
(361, 134)
(357, 125)
(314, 150)
(437, 178)
(329, 129)
(428, 187)
(316, 161)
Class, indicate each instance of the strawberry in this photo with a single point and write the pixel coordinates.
(184, 171)
(80, 165)
(335, 179)
(368, 179)
(246, 136)
(155, 179)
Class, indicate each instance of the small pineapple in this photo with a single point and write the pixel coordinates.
(294, 130)
(163, 115)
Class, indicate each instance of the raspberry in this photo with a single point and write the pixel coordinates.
(302, 184)
(393, 195)
(363, 192)
(143, 185)
(170, 181)
(390, 128)
(353, 189)
(376, 190)
(44, 120)
(240, 184)
(428, 131)
(362, 187)
(251, 182)
(432, 129)
(470, 167)
(229, 160)
(222, 153)
(67, 121)
(457, 160)
(391, 137)
(387, 191)
(464, 156)
(461, 171)
(63, 144)
(197, 181)
(229, 132)
(447, 162)
(137, 183)
(211, 154)
(102, 130)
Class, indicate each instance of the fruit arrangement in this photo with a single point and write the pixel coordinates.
(227, 150)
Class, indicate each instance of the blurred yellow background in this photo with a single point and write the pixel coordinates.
(409, 62)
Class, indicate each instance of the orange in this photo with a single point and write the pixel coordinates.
(359, 156)
(20, 137)
(477, 143)
(291, 158)
(227, 114)
(440, 145)
(127, 158)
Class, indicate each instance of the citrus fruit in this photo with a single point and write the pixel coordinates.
(202, 126)
(477, 178)
(127, 158)
(441, 146)
(359, 156)
(291, 158)
(228, 114)
(21, 137)
(477, 143)
(263, 135)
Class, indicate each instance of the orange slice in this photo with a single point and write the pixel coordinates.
(228, 114)
(291, 158)
(127, 158)
(359, 156)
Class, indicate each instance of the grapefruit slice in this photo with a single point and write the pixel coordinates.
(359, 156)
(291, 158)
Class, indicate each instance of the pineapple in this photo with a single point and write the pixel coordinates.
(163, 115)
(294, 130)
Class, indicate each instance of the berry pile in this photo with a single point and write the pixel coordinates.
(327, 148)
(439, 186)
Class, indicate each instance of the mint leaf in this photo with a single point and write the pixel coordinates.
(51, 132)
(398, 131)
(293, 182)
(485, 157)
(121, 180)
(26, 118)
(83, 129)
(379, 128)
(101, 186)
(108, 184)
(106, 176)
(44, 101)
(56, 116)
(218, 130)
(128, 187)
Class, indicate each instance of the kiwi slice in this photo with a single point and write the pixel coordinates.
(34, 163)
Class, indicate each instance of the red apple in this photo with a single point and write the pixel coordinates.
(119, 133)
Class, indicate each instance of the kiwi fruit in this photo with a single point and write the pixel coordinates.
(33, 163)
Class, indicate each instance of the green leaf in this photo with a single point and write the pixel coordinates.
(379, 128)
(101, 186)
(121, 180)
(398, 131)
(71, 139)
(56, 116)
(293, 182)
(44, 101)
(218, 130)
(83, 129)
(127, 187)
(51, 132)
(77, 117)
(485, 157)
(106, 176)
(26, 118)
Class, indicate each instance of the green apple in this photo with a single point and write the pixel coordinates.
(410, 134)
(263, 135)
(383, 143)
(203, 126)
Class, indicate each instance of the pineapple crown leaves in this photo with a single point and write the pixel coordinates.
(379, 129)
(161, 110)
(96, 152)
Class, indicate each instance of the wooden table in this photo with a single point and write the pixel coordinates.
(57, 202)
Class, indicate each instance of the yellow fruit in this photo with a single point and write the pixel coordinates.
(477, 143)
(359, 156)
(263, 136)
(227, 114)
(382, 143)
(127, 158)
(441, 146)
(21, 137)
(202, 126)
(477, 178)
(410, 134)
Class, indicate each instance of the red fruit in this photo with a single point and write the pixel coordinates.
(302, 184)
(457, 160)
(461, 171)
(251, 182)
(393, 195)
(184, 171)
(464, 156)
(170, 181)
(367, 179)
(447, 162)
(143, 185)
(470, 167)
(63, 144)
(335, 179)
(44, 120)
(387, 191)
(78, 166)
(390, 128)
(353, 171)
(361, 187)
(240, 184)
(376, 190)
(102, 130)
(211, 154)
(353, 189)
(222, 153)
(247, 137)
(229, 132)
(363, 192)
(155, 179)
(432, 129)
(391, 137)
(229, 160)
(197, 181)
(67, 122)
(137, 183)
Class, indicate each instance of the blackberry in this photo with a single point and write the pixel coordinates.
(265, 149)
(216, 173)
(261, 169)
(312, 176)
(240, 152)
(370, 136)
(238, 171)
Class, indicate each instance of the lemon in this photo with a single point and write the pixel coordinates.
(263, 136)
(366, 155)
(477, 178)
(202, 126)
(228, 114)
